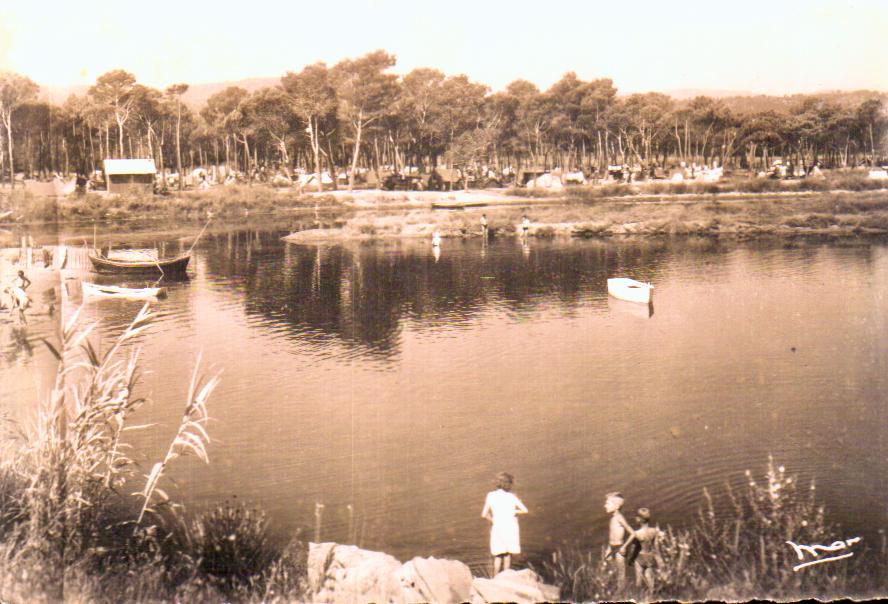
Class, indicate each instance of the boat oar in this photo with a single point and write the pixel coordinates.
(199, 235)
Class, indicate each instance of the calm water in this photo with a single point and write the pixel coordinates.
(379, 377)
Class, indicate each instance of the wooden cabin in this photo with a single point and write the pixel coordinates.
(130, 175)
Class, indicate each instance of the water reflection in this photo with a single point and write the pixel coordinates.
(17, 345)
(362, 293)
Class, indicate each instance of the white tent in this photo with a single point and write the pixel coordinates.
(546, 181)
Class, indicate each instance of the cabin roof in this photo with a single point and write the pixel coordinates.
(129, 166)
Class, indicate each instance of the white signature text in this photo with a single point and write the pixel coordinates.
(810, 554)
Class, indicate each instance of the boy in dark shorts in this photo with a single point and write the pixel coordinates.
(646, 556)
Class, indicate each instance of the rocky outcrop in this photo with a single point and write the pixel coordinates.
(520, 586)
(346, 574)
(434, 580)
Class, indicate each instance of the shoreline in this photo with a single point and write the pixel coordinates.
(584, 212)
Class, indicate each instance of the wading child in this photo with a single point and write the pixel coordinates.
(647, 556)
(617, 530)
(501, 508)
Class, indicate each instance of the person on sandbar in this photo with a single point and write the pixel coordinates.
(501, 508)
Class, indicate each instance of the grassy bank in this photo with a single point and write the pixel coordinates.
(236, 202)
(221, 202)
(832, 181)
(737, 552)
(831, 214)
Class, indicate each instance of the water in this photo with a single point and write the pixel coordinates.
(374, 375)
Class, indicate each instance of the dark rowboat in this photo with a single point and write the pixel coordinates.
(457, 205)
(166, 266)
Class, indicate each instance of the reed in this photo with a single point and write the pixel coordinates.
(61, 485)
(735, 549)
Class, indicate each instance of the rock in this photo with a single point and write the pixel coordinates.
(347, 574)
(518, 586)
(434, 580)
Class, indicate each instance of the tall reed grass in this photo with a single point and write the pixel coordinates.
(69, 531)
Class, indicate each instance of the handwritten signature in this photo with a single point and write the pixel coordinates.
(814, 551)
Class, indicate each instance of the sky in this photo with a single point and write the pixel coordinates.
(771, 47)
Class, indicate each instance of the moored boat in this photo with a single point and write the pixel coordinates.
(165, 266)
(457, 205)
(113, 291)
(630, 290)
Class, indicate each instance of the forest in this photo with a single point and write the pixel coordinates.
(357, 116)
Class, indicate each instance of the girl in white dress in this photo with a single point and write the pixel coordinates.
(501, 508)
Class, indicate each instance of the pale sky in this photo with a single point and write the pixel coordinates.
(774, 47)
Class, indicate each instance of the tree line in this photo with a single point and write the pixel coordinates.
(357, 116)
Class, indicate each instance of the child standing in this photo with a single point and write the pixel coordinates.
(617, 530)
(501, 508)
(525, 226)
(648, 555)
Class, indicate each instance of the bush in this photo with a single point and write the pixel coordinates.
(231, 546)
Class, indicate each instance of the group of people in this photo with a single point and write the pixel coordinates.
(524, 230)
(627, 546)
(18, 298)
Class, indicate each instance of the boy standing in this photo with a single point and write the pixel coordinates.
(617, 535)
(648, 556)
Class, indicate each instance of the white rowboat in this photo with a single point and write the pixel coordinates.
(630, 290)
(112, 291)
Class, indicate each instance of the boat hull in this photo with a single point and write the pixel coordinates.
(630, 290)
(111, 291)
(170, 266)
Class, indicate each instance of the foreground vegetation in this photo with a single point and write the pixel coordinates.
(70, 533)
(738, 552)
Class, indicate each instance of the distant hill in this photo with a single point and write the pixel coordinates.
(196, 97)
(739, 101)
(197, 94)
(689, 93)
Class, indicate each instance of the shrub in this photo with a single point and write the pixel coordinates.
(232, 547)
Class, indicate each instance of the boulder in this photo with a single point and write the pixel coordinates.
(518, 586)
(345, 574)
(434, 580)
